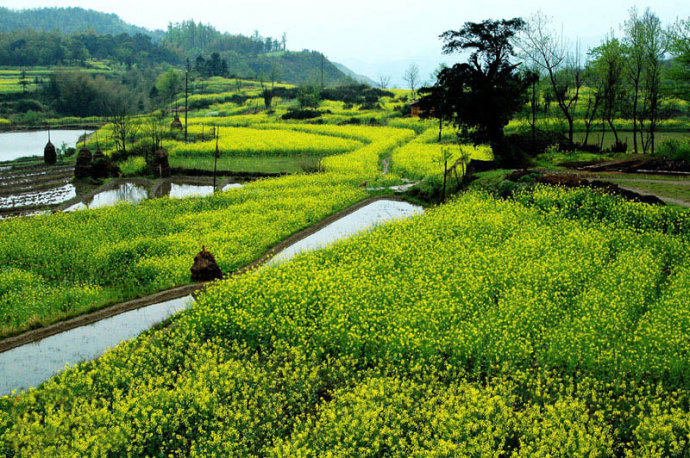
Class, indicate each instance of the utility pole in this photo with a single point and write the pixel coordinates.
(322, 59)
(215, 162)
(186, 105)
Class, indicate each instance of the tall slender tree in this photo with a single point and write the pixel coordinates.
(634, 41)
(654, 50)
(609, 61)
(411, 77)
(562, 66)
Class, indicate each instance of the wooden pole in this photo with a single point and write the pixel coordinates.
(215, 161)
(322, 59)
(186, 98)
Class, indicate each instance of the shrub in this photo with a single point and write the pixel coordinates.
(133, 166)
(302, 114)
(675, 149)
(30, 118)
(28, 105)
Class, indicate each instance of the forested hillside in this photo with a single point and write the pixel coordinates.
(68, 20)
(73, 36)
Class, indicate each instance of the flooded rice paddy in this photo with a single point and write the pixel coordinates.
(14, 145)
(31, 364)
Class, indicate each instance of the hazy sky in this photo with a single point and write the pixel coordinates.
(372, 37)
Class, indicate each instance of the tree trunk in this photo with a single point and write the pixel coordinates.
(534, 111)
(637, 89)
(186, 105)
(445, 176)
(613, 129)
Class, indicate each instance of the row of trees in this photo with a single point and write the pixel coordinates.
(220, 57)
(196, 38)
(214, 66)
(515, 64)
(622, 77)
(29, 48)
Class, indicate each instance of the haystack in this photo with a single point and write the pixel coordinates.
(50, 154)
(176, 123)
(205, 267)
(83, 167)
(161, 166)
(99, 164)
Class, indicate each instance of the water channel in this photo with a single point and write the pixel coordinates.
(32, 364)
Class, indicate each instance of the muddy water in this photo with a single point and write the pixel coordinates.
(365, 218)
(14, 145)
(232, 186)
(49, 197)
(31, 364)
(126, 192)
(180, 191)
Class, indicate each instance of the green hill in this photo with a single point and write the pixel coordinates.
(68, 20)
(59, 36)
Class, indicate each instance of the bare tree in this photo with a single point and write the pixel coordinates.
(593, 102)
(532, 72)
(562, 67)
(654, 50)
(155, 130)
(384, 81)
(134, 128)
(121, 123)
(118, 109)
(411, 77)
(634, 41)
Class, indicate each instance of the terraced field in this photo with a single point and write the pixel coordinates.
(553, 323)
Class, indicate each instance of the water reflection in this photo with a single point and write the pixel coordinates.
(363, 219)
(232, 186)
(179, 191)
(14, 145)
(31, 364)
(126, 192)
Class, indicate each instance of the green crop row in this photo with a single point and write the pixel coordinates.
(106, 255)
(483, 328)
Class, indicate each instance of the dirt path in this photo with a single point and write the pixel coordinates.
(622, 182)
(668, 200)
(35, 335)
(384, 166)
(646, 180)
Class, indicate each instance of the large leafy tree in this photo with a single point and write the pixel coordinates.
(480, 95)
(679, 47)
(168, 85)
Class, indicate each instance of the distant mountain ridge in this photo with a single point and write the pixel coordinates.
(69, 20)
(356, 76)
(303, 67)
